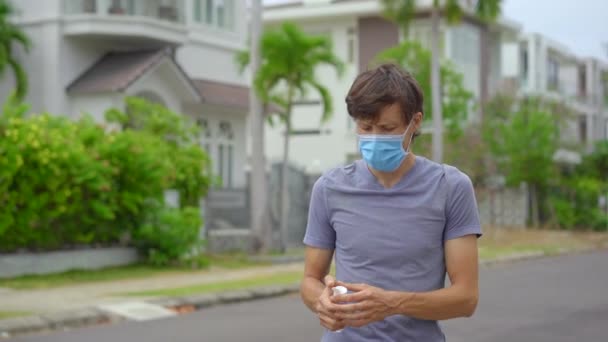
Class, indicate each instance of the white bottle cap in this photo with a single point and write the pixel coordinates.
(339, 290)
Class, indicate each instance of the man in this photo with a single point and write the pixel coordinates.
(396, 223)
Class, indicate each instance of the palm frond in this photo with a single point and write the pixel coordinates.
(16, 35)
(326, 99)
(20, 79)
(453, 11)
(242, 59)
(400, 12)
(488, 10)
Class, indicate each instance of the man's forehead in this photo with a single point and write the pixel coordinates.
(382, 120)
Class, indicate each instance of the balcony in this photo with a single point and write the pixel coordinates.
(160, 22)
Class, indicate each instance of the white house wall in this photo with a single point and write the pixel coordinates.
(94, 104)
(161, 82)
(38, 9)
(45, 92)
(210, 53)
(213, 63)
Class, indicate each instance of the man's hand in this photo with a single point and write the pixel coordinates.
(366, 305)
(325, 307)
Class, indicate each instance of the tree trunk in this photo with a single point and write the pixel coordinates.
(436, 88)
(258, 185)
(284, 199)
(534, 204)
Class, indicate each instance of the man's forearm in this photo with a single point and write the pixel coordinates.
(451, 302)
(310, 290)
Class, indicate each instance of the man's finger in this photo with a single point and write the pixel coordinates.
(329, 281)
(350, 297)
(331, 324)
(353, 316)
(350, 308)
(330, 307)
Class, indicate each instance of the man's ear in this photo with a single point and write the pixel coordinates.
(418, 120)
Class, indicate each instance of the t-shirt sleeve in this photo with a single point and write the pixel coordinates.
(462, 215)
(319, 232)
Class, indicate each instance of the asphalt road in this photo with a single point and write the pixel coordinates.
(563, 299)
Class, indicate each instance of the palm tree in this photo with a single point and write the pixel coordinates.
(10, 34)
(288, 60)
(402, 12)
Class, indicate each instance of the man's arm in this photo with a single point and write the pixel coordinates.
(459, 300)
(316, 286)
(317, 264)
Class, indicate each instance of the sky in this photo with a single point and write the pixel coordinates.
(580, 25)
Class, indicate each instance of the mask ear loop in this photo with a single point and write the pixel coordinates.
(411, 136)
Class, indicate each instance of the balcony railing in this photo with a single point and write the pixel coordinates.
(166, 10)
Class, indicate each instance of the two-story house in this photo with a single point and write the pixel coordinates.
(87, 55)
(550, 69)
(359, 33)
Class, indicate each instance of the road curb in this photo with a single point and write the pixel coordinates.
(91, 316)
(62, 320)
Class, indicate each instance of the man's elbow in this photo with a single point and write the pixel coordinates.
(470, 305)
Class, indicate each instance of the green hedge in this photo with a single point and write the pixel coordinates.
(576, 201)
(67, 183)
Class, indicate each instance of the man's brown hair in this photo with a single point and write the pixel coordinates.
(383, 86)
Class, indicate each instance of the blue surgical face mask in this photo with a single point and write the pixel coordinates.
(384, 152)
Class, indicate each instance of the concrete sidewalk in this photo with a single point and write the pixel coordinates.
(45, 301)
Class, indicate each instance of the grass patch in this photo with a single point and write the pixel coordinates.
(284, 278)
(137, 271)
(486, 253)
(502, 242)
(74, 277)
(13, 314)
(290, 252)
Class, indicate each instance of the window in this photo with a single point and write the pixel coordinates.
(225, 161)
(218, 13)
(220, 163)
(582, 129)
(230, 164)
(552, 74)
(582, 81)
(198, 11)
(464, 45)
(89, 6)
(121, 7)
(203, 124)
(226, 130)
(351, 45)
(604, 81)
(209, 11)
(524, 65)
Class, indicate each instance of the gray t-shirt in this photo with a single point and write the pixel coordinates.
(391, 238)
